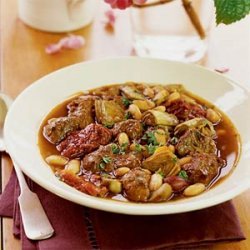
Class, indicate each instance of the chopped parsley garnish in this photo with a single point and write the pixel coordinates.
(160, 173)
(115, 149)
(174, 159)
(128, 115)
(183, 174)
(106, 159)
(101, 166)
(138, 147)
(150, 137)
(108, 125)
(151, 148)
(126, 102)
(105, 175)
(118, 150)
(123, 148)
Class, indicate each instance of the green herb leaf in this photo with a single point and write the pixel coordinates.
(151, 148)
(126, 102)
(151, 138)
(106, 159)
(118, 150)
(159, 171)
(138, 147)
(115, 149)
(105, 175)
(229, 11)
(123, 148)
(183, 174)
(101, 166)
(128, 115)
(175, 159)
(108, 125)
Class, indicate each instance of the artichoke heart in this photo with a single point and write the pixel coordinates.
(108, 112)
(175, 87)
(156, 117)
(161, 97)
(204, 126)
(162, 159)
(132, 93)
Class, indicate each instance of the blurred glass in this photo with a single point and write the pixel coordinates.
(165, 31)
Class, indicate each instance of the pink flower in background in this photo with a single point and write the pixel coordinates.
(69, 42)
(72, 42)
(53, 48)
(123, 4)
(222, 70)
(110, 18)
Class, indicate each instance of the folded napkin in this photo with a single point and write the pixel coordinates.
(77, 227)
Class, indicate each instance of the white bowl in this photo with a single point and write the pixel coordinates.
(34, 103)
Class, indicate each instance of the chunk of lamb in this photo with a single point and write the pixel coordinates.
(185, 111)
(132, 128)
(94, 161)
(79, 143)
(76, 107)
(129, 160)
(203, 167)
(193, 141)
(136, 184)
(79, 116)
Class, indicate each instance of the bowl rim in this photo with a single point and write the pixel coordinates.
(117, 206)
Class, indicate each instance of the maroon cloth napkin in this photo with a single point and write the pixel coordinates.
(77, 227)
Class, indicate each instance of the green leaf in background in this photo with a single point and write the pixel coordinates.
(229, 11)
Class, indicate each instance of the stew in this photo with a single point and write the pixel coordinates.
(139, 142)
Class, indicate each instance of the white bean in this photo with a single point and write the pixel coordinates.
(144, 105)
(57, 160)
(73, 166)
(123, 139)
(115, 186)
(162, 194)
(155, 182)
(194, 189)
(121, 171)
(213, 116)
